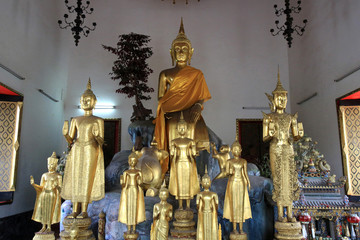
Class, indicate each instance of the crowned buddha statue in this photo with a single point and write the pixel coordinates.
(277, 127)
(84, 171)
(181, 88)
(48, 202)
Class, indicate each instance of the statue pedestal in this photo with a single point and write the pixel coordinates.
(131, 236)
(184, 226)
(238, 236)
(44, 236)
(288, 231)
(77, 228)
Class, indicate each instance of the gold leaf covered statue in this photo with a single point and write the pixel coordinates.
(276, 127)
(182, 88)
(132, 204)
(84, 170)
(207, 203)
(48, 202)
(162, 214)
(184, 182)
(223, 156)
(237, 204)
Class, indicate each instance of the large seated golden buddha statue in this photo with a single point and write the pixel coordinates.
(181, 88)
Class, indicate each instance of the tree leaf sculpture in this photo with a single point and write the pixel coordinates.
(133, 71)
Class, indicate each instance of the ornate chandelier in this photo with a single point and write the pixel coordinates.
(186, 1)
(287, 28)
(77, 25)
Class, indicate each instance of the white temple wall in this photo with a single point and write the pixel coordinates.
(31, 45)
(328, 50)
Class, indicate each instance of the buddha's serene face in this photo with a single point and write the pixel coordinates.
(87, 102)
(181, 52)
(51, 166)
(206, 182)
(280, 100)
(182, 128)
(163, 195)
(236, 150)
(132, 161)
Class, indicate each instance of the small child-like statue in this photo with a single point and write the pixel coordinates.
(162, 214)
(223, 156)
(132, 204)
(207, 203)
(48, 202)
(237, 204)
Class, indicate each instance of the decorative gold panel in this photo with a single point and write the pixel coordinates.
(350, 144)
(9, 143)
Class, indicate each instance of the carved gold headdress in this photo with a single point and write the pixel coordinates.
(206, 175)
(236, 143)
(181, 38)
(53, 159)
(182, 120)
(163, 188)
(279, 88)
(88, 90)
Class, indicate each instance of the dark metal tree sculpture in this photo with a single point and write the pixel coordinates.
(133, 71)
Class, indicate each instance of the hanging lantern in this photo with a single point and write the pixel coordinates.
(353, 219)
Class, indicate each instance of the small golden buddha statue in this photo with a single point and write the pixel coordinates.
(48, 202)
(162, 214)
(84, 170)
(207, 204)
(237, 204)
(223, 156)
(181, 88)
(132, 204)
(184, 183)
(276, 128)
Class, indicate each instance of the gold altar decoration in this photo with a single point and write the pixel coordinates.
(276, 128)
(10, 115)
(223, 156)
(48, 202)
(207, 204)
(132, 204)
(182, 88)
(150, 160)
(77, 229)
(162, 214)
(184, 182)
(237, 203)
(349, 117)
(84, 171)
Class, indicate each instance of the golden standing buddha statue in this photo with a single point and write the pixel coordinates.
(207, 203)
(48, 201)
(162, 214)
(84, 171)
(237, 204)
(132, 204)
(184, 183)
(182, 88)
(276, 127)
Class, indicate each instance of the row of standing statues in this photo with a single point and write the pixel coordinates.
(180, 134)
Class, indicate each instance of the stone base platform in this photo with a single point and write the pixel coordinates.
(44, 236)
(288, 231)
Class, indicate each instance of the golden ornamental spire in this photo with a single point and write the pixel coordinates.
(89, 84)
(181, 37)
(53, 158)
(279, 88)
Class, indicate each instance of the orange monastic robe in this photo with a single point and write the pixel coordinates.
(187, 88)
